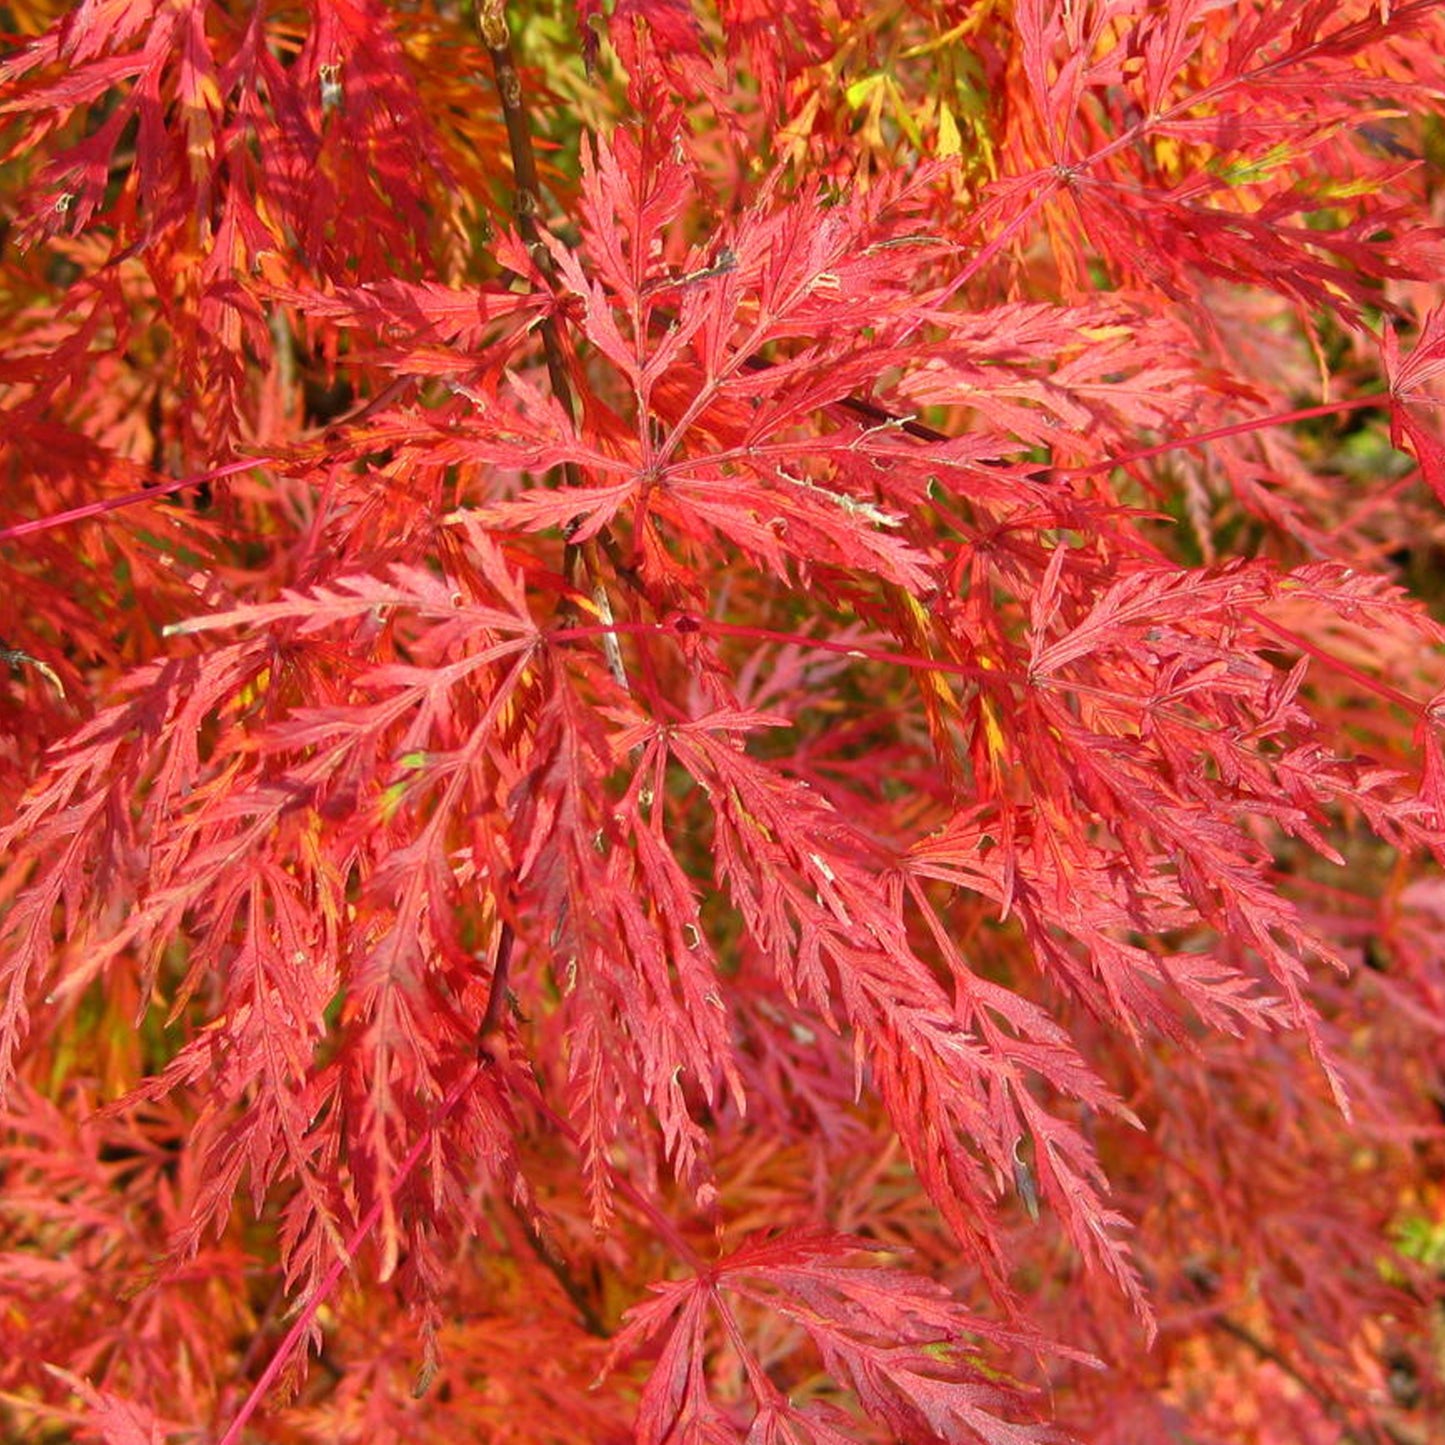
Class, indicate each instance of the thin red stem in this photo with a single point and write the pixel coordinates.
(288, 1346)
(1345, 669)
(1374, 399)
(146, 494)
(766, 634)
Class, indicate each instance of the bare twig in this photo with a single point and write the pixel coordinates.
(577, 564)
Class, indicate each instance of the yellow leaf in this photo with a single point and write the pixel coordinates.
(859, 92)
(949, 141)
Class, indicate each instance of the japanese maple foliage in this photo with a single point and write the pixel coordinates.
(722, 723)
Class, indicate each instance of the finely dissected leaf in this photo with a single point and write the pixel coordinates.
(901, 1342)
(119, 1421)
(1410, 392)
